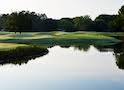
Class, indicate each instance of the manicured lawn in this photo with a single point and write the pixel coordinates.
(12, 40)
(8, 46)
(59, 35)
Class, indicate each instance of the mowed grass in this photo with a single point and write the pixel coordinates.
(8, 46)
(59, 35)
(13, 40)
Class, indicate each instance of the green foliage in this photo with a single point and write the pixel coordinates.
(103, 23)
(118, 23)
(19, 22)
(25, 21)
(82, 23)
(121, 11)
(66, 24)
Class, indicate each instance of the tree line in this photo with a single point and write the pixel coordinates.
(25, 21)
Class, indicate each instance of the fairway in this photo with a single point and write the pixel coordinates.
(8, 46)
(9, 40)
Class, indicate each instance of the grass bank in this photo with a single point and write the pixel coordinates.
(12, 40)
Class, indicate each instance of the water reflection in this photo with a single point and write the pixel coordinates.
(69, 67)
(117, 49)
(119, 54)
(84, 47)
(21, 55)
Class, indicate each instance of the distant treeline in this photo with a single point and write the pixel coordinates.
(26, 21)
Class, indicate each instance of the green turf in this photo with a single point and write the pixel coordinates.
(55, 38)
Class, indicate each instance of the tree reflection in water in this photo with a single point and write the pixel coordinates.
(117, 49)
(21, 55)
(119, 54)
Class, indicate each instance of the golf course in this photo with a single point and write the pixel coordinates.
(11, 40)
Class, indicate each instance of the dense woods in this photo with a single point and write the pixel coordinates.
(25, 21)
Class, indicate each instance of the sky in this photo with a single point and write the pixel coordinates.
(63, 8)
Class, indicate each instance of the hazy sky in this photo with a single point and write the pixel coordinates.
(63, 8)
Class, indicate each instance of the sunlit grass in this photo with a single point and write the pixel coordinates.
(54, 38)
(84, 36)
(37, 35)
(7, 46)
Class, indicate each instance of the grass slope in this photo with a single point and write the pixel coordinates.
(12, 40)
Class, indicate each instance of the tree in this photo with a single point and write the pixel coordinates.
(24, 21)
(49, 25)
(3, 19)
(103, 22)
(66, 24)
(120, 19)
(121, 11)
(19, 22)
(82, 23)
(11, 22)
(118, 23)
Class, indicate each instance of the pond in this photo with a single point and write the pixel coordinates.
(85, 67)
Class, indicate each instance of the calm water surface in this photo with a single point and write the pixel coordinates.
(65, 69)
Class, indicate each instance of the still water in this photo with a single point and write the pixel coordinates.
(66, 69)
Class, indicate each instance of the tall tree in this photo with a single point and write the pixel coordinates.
(103, 22)
(66, 24)
(82, 23)
(118, 23)
(24, 21)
